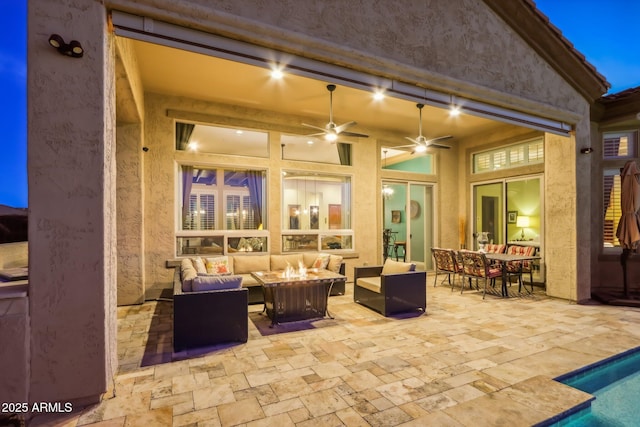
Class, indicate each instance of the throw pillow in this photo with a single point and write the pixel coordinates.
(218, 265)
(198, 263)
(321, 261)
(187, 274)
(391, 267)
(214, 283)
(335, 261)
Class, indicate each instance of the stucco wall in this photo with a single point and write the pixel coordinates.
(72, 235)
(457, 46)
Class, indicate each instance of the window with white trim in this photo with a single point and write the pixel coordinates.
(513, 156)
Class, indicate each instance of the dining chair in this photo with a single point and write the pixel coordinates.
(475, 265)
(518, 268)
(446, 263)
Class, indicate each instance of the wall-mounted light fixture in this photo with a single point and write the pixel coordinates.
(587, 150)
(73, 48)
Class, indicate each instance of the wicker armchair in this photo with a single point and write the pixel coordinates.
(390, 293)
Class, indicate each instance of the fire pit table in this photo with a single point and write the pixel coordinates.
(290, 297)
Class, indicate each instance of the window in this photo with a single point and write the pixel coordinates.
(407, 161)
(619, 145)
(314, 149)
(316, 211)
(522, 154)
(221, 140)
(221, 210)
(612, 209)
(617, 148)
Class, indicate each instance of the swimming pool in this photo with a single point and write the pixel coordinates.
(615, 383)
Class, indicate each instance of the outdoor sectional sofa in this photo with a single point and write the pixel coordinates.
(211, 295)
(243, 265)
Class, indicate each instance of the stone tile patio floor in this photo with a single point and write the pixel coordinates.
(466, 362)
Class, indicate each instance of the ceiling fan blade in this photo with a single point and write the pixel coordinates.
(344, 126)
(415, 141)
(315, 127)
(438, 146)
(357, 135)
(440, 138)
(403, 147)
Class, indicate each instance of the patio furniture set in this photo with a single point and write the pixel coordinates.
(496, 261)
(211, 295)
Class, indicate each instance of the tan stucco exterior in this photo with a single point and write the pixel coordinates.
(97, 196)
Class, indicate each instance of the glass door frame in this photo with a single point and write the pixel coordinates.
(503, 206)
(406, 218)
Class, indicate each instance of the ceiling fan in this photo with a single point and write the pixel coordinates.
(420, 143)
(331, 130)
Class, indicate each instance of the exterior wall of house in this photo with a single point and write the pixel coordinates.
(439, 57)
(458, 46)
(72, 236)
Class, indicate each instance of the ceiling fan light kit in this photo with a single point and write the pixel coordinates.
(331, 131)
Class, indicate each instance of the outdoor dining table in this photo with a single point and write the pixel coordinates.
(504, 258)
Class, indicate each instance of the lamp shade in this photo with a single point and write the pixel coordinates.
(522, 221)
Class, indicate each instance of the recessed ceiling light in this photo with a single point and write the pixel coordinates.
(193, 146)
(310, 142)
(239, 132)
(378, 95)
(454, 111)
(277, 73)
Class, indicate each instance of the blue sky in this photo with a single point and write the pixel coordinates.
(606, 32)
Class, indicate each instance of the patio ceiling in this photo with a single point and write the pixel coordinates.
(176, 72)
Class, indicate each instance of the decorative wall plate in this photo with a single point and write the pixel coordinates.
(414, 209)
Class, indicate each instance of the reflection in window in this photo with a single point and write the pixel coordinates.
(221, 140)
(312, 201)
(242, 192)
(407, 161)
(312, 149)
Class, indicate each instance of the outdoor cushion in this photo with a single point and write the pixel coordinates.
(248, 263)
(335, 261)
(215, 282)
(371, 283)
(198, 263)
(391, 267)
(321, 261)
(219, 265)
(280, 262)
(187, 274)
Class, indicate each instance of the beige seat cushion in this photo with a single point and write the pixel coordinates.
(371, 283)
(243, 264)
(391, 267)
(280, 262)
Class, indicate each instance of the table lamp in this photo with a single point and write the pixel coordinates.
(522, 222)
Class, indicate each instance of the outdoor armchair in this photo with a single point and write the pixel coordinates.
(392, 288)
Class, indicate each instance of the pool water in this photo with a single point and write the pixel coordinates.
(615, 382)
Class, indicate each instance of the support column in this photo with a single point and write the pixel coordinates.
(72, 212)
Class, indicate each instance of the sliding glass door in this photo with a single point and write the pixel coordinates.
(511, 211)
(408, 217)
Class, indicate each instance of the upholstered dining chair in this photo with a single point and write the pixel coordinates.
(446, 263)
(476, 266)
(518, 268)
